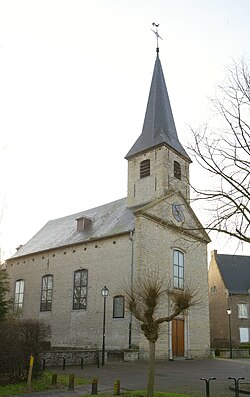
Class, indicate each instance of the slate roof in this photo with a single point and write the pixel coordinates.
(159, 126)
(109, 219)
(235, 271)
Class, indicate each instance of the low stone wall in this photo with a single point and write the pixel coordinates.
(57, 357)
(225, 353)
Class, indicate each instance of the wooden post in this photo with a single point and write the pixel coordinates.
(117, 388)
(94, 388)
(71, 382)
(30, 370)
(54, 379)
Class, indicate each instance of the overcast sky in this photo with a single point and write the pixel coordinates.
(74, 83)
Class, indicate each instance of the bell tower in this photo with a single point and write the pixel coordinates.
(157, 162)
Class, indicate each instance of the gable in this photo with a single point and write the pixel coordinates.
(175, 212)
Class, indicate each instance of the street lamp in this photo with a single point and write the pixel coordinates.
(229, 312)
(105, 292)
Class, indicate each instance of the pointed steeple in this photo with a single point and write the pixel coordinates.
(159, 127)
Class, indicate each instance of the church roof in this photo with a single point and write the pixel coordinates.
(159, 127)
(106, 220)
(235, 271)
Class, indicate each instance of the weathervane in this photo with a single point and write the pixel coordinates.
(157, 35)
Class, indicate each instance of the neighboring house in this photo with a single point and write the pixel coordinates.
(58, 275)
(229, 289)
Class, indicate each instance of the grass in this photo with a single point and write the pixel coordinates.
(44, 383)
(40, 384)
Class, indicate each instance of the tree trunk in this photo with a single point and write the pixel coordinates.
(151, 370)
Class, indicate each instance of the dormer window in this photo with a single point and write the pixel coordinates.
(144, 168)
(177, 170)
(82, 223)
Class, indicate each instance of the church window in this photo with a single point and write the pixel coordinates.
(242, 310)
(178, 269)
(177, 170)
(46, 293)
(118, 306)
(144, 168)
(80, 289)
(19, 293)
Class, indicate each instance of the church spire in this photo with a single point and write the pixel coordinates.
(159, 127)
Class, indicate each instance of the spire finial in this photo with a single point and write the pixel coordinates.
(157, 35)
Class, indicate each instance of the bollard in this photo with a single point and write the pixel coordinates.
(44, 362)
(207, 385)
(31, 364)
(71, 382)
(64, 361)
(54, 379)
(94, 384)
(236, 385)
(81, 363)
(98, 360)
(117, 388)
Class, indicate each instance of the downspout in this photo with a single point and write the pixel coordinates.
(131, 285)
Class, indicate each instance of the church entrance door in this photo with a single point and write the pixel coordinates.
(178, 338)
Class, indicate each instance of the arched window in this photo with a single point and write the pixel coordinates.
(178, 269)
(177, 170)
(118, 306)
(19, 294)
(46, 293)
(144, 168)
(80, 289)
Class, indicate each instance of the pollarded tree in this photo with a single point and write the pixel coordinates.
(224, 152)
(147, 301)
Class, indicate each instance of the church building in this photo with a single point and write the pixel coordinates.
(59, 274)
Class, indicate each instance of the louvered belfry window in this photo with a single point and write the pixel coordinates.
(177, 170)
(144, 168)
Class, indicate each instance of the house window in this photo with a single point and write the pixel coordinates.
(177, 170)
(80, 289)
(46, 293)
(244, 335)
(118, 306)
(19, 292)
(243, 310)
(144, 168)
(178, 269)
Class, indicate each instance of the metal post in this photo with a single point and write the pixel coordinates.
(103, 330)
(229, 312)
(207, 385)
(236, 384)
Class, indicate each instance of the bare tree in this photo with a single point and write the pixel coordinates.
(224, 152)
(147, 300)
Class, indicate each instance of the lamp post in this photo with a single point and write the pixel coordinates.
(105, 292)
(229, 312)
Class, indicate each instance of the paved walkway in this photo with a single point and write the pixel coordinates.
(172, 376)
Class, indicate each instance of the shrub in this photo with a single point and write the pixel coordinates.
(18, 340)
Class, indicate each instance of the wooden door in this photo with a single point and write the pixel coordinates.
(178, 338)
